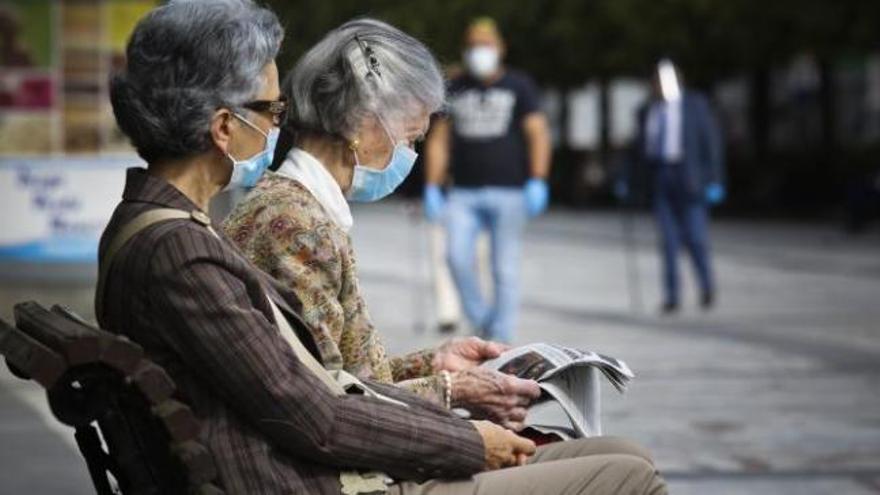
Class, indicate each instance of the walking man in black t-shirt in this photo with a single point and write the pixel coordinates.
(496, 141)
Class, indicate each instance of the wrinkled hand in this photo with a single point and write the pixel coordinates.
(464, 353)
(503, 448)
(495, 396)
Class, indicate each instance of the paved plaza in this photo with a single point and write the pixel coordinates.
(774, 392)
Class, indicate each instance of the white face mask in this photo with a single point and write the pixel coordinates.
(246, 172)
(370, 185)
(482, 61)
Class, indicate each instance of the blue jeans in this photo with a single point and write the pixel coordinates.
(501, 211)
(682, 218)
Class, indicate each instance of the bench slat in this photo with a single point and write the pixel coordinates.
(153, 382)
(179, 420)
(30, 357)
(198, 461)
(116, 351)
(62, 335)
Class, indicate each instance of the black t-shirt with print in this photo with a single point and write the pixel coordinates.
(488, 143)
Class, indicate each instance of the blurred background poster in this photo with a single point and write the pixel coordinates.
(56, 208)
(29, 78)
(62, 159)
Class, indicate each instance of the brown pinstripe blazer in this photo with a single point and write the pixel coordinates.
(199, 309)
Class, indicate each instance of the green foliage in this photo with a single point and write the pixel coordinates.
(565, 42)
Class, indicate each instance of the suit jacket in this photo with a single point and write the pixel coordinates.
(702, 147)
(200, 310)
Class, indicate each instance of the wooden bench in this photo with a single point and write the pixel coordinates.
(135, 438)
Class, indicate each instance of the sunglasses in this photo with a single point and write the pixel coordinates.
(277, 109)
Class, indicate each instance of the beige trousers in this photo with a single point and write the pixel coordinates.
(594, 466)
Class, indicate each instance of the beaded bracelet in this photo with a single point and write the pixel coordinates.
(447, 392)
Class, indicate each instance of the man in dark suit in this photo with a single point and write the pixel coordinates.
(679, 145)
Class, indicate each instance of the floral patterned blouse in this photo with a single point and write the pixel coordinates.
(284, 230)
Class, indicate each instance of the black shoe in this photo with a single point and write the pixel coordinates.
(448, 327)
(669, 308)
(707, 301)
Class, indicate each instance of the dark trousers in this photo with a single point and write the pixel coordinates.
(682, 217)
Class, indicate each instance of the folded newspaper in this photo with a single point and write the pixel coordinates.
(570, 403)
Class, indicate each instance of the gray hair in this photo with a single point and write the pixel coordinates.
(185, 60)
(363, 67)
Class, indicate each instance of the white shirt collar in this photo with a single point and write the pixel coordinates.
(304, 168)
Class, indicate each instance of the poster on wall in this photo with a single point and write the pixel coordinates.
(56, 208)
(28, 77)
(85, 72)
(56, 59)
(58, 187)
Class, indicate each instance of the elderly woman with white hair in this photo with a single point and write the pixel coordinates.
(358, 100)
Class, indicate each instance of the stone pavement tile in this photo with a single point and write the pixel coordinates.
(770, 487)
(712, 404)
(34, 459)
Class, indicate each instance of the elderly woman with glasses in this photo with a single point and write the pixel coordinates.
(359, 99)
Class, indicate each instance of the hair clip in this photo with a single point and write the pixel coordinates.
(369, 56)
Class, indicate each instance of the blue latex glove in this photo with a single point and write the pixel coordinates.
(621, 190)
(537, 196)
(435, 203)
(715, 193)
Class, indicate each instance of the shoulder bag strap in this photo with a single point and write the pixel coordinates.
(125, 234)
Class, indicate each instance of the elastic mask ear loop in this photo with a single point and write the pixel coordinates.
(387, 130)
(252, 126)
(228, 153)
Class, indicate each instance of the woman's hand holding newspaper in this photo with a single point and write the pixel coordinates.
(496, 396)
(464, 353)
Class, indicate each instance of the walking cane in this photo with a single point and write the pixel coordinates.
(633, 280)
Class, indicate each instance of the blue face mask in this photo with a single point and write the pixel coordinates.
(369, 184)
(246, 173)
